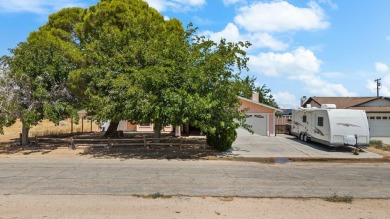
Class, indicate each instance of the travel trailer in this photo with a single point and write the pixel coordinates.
(330, 126)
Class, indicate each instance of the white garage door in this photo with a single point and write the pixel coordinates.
(379, 126)
(258, 123)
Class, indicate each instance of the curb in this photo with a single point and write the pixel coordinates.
(281, 160)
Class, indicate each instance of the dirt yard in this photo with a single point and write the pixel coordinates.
(97, 206)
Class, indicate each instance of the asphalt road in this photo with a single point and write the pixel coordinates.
(35, 176)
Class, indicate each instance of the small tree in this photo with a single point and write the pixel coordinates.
(219, 66)
(265, 96)
(34, 84)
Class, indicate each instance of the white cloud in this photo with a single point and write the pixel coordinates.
(232, 2)
(333, 74)
(316, 86)
(381, 67)
(384, 88)
(293, 64)
(286, 100)
(333, 5)
(37, 6)
(388, 37)
(230, 33)
(175, 5)
(259, 40)
(280, 16)
(299, 65)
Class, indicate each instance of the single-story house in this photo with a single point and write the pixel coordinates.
(377, 110)
(147, 127)
(259, 115)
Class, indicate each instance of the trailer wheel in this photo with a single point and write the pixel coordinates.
(305, 139)
(301, 136)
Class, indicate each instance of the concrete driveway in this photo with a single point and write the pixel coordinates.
(286, 146)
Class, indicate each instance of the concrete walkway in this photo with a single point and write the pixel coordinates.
(284, 146)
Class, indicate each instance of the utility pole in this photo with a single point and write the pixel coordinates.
(378, 84)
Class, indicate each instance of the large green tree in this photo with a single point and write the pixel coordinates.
(122, 60)
(134, 64)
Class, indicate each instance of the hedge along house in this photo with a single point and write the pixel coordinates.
(260, 116)
(377, 110)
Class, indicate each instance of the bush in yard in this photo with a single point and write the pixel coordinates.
(222, 139)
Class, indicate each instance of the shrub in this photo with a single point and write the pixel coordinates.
(222, 139)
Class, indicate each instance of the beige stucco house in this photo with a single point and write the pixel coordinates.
(260, 116)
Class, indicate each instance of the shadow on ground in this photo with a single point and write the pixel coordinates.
(134, 152)
(191, 148)
(324, 148)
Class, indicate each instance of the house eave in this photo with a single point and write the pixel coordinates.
(260, 104)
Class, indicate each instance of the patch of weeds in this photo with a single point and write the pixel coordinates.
(338, 198)
(355, 151)
(378, 144)
(157, 195)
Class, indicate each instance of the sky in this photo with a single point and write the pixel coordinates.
(299, 47)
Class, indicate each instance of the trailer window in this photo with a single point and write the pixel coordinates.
(320, 121)
(378, 117)
(372, 117)
(304, 119)
(385, 117)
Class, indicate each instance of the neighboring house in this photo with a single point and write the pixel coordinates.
(260, 116)
(147, 127)
(377, 110)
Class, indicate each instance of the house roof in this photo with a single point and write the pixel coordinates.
(286, 112)
(260, 104)
(351, 103)
(341, 102)
(373, 109)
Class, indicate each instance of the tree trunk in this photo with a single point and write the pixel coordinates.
(157, 128)
(25, 131)
(112, 130)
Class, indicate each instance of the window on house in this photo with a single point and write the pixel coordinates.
(144, 125)
(378, 117)
(320, 121)
(304, 119)
(385, 117)
(372, 117)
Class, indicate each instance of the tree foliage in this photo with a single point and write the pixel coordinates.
(33, 83)
(265, 96)
(121, 60)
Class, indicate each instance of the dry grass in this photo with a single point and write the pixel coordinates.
(46, 128)
(339, 198)
(378, 144)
